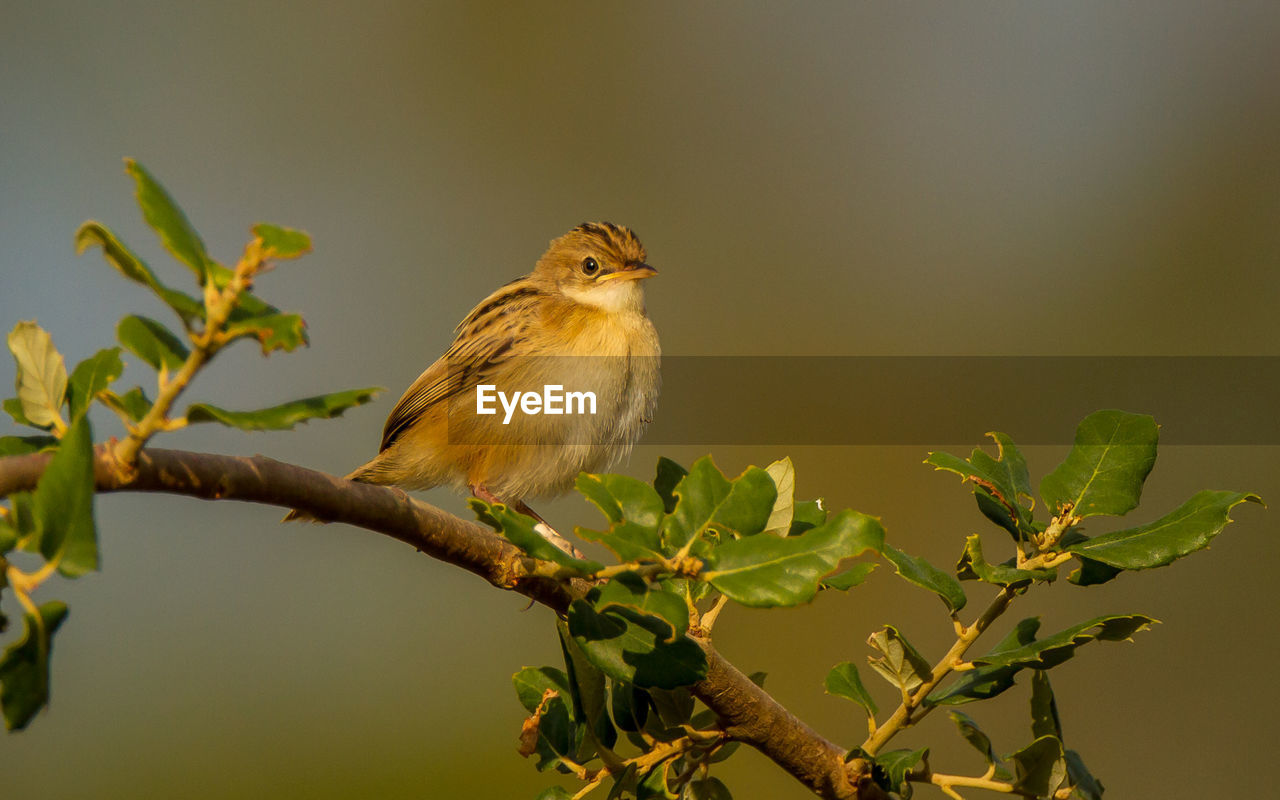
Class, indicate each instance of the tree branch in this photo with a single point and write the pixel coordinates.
(749, 714)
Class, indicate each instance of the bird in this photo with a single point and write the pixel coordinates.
(576, 323)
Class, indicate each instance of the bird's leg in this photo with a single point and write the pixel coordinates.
(543, 528)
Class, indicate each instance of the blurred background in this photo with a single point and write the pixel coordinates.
(1032, 179)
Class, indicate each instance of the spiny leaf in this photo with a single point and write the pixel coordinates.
(1179, 533)
(767, 570)
(92, 376)
(135, 269)
(166, 219)
(1044, 710)
(628, 590)
(63, 504)
(668, 477)
(152, 342)
(41, 377)
(973, 566)
(806, 514)
(899, 663)
(519, 530)
(1003, 482)
(927, 576)
(282, 243)
(1104, 472)
(634, 511)
(1086, 786)
(24, 668)
(587, 685)
(636, 647)
(1053, 650)
(712, 505)
(984, 683)
(274, 331)
(286, 415)
(849, 578)
(890, 769)
(843, 681)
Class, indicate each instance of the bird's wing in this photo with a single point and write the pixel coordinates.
(491, 334)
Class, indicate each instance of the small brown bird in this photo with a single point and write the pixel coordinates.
(554, 374)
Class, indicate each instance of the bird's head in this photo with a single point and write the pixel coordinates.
(598, 264)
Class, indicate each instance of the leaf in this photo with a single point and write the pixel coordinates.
(1044, 710)
(973, 566)
(843, 681)
(519, 530)
(8, 541)
(62, 504)
(707, 789)
(669, 475)
(654, 784)
(24, 668)
(152, 342)
(42, 375)
(1051, 651)
(925, 575)
(286, 415)
(1104, 472)
(1179, 533)
(1000, 483)
(135, 269)
(22, 445)
(13, 407)
(710, 503)
(984, 683)
(807, 514)
(849, 578)
(766, 570)
(890, 769)
(634, 511)
(587, 687)
(282, 243)
(92, 376)
(1086, 786)
(558, 736)
(974, 735)
(1039, 768)
(628, 590)
(555, 793)
(899, 663)
(133, 404)
(783, 473)
(274, 331)
(633, 646)
(166, 219)
(630, 706)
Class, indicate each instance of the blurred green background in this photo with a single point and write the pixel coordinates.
(816, 179)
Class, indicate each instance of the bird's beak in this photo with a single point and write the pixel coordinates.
(630, 272)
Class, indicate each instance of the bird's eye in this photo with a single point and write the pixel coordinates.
(589, 266)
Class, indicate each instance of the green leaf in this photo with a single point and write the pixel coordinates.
(850, 577)
(890, 769)
(62, 505)
(589, 692)
(555, 793)
(899, 663)
(1181, 532)
(628, 590)
(654, 785)
(927, 576)
(8, 541)
(166, 219)
(974, 735)
(1044, 710)
(634, 511)
(1086, 786)
(558, 736)
(152, 342)
(133, 404)
(13, 407)
(632, 646)
(1039, 768)
(711, 504)
(1051, 651)
(983, 683)
(135, 269)
(973, 566)
(783, 473)
(807, 514)
(668, 477)
(24, 669)
(1104, 472)
(91, 376)
(274, 331)
(843, 681)
(519, 530)
(1000, 483)
(286, 415)
(41, 377)
(281, 243)
(766, 570)
(707, 789)
(22, 445)
(630, 706)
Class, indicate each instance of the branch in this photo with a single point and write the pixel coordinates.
(748, 713)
